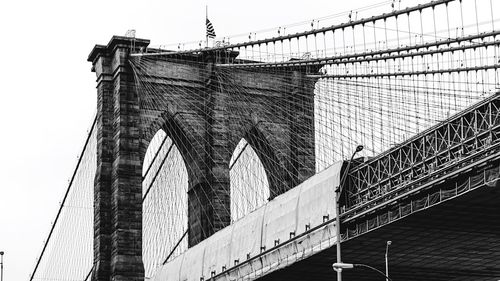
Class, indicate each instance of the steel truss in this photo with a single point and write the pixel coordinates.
(354, 227)
(453, 147)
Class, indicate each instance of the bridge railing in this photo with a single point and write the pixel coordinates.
(468, 137)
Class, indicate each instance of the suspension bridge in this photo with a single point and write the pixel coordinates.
(222, 163)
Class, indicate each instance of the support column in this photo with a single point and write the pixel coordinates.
(102, 183)
(302, 127)
(118, 182)
(218, 160)
(209, 202)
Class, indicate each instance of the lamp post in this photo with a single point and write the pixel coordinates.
(387, 259)
(338, 191)
(1, 265)
(338, 266)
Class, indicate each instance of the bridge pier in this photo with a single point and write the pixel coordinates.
(209, 201)
(118, 181)
(274, 113)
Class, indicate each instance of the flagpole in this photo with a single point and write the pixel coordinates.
(206, 19)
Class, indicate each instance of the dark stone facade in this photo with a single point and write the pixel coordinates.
(206, 119)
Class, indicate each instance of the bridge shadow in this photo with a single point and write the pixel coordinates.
(457, 240)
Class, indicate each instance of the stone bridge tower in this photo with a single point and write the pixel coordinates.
(206, 128)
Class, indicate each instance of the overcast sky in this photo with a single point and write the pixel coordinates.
(48, 96)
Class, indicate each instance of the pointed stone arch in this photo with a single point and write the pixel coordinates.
(197, 118)
(165, 201)
(248, 181)
(186, 132)
(266, 146)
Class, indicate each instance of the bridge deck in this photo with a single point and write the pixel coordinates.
(447, 225)
(455, 240)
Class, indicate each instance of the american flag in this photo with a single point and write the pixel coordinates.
(210, 30)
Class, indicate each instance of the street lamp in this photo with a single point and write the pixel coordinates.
(339, 266)
(387, 258)
(338, 191)
(1, 265)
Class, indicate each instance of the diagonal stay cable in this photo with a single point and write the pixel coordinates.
(64, 198)
(158, 171)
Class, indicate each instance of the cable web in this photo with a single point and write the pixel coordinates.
(68, 251)
(249, 185)
(376, 83)
(165, 182)
(164, 202)
(277, 111)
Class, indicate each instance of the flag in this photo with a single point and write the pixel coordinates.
(210, 30)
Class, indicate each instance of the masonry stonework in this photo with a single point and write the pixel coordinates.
(206, 117)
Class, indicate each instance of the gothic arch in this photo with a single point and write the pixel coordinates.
(197, 118)
(266, 147)
(184, 139)
(165, 201)
(249, 185)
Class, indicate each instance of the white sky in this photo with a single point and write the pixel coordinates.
(48, 92)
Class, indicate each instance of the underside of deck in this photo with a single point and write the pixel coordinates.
(458, 239)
